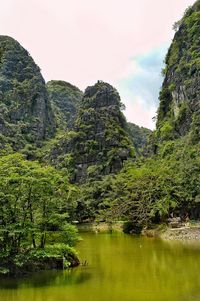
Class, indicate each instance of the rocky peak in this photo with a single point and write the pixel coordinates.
(25, 112)
(101, 144)
(101, 95)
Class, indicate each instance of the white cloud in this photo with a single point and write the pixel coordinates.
(139, 90)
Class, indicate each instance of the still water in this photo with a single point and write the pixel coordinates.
(119, 268)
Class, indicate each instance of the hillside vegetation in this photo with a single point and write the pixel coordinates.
(68, 155)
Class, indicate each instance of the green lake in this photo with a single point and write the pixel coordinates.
(118, 267)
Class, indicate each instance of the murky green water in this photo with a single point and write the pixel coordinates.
(120, 268)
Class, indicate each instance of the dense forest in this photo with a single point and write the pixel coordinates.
(68, 156)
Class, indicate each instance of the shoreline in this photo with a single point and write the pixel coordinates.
(101, 227)
(187, 233)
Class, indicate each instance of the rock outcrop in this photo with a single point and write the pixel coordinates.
(90, 135)
(179, 109)
(25, 112)
(99, 143)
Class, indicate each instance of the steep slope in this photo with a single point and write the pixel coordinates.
(25, 112)
(179, 109)
(65, 99)
(139, 136)
(99, 143)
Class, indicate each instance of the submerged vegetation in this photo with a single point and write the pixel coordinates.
(69, 156)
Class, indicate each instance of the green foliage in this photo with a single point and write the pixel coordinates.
(35, 201)
(195, 128)
(166, 131)
(101, 143)
(25, 112)
(147, 192)
(181, 85)
(139, 136)
(94, 146)
(172, 87)
(173, 54)
(65, 99)
(164, 107)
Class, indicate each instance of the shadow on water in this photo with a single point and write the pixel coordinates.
(47, 278)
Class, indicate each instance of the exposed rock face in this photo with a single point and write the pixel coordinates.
(99, 143)
(179, 98)
(65, 99)
(25, 112)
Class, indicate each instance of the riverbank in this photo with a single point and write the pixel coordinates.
(184, 233)
(188, 232)
(98, 227)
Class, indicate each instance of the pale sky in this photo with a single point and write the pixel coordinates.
(122, 42)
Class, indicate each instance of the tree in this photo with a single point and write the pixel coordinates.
(34, 201)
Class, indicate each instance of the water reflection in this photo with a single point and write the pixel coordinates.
(46, 278)
(120, 268)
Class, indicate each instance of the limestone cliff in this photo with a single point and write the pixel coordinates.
(25, 112)
(99, 143)
(179, 109)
